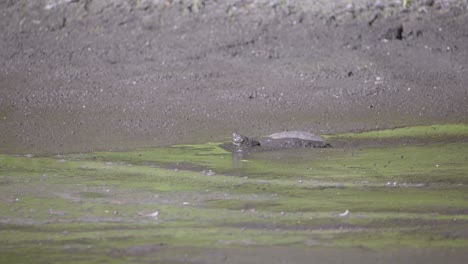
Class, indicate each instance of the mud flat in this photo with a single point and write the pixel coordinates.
(98, 75)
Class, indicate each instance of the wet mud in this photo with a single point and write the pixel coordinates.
(192, 204)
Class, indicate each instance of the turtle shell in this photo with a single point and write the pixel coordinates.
(296, 135)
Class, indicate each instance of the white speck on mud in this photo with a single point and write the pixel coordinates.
(346, 213)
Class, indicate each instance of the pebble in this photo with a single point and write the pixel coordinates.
(208, 172)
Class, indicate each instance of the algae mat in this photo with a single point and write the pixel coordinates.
(199, 204)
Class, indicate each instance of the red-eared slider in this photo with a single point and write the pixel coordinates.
(287, 139)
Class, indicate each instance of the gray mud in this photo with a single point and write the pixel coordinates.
(98, 75)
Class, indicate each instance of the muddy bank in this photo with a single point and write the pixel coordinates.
(97, 75)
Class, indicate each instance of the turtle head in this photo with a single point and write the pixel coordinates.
(238, 139)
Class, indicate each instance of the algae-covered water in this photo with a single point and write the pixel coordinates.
(377, 197)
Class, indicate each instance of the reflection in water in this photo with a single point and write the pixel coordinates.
(238, 155)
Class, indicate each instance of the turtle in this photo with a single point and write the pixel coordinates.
(280, 140)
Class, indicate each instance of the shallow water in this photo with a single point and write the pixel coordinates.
(199, 204)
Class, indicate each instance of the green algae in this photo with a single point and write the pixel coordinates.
(434, 131)
(96, 207)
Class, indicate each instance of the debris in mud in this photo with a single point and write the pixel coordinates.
(404, 184)
(208, 172)
(56, 212)
(344, 214)
(394, 33)
(391, 184)
(153, 215)
(375, 18)
(57, 3)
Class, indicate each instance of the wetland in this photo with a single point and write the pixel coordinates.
(194, 203)
(113, 114)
